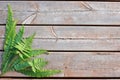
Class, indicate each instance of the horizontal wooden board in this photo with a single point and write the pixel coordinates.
(61, 12)
(79, 45)
(60, 5)
(72, 37)
(84, 64)
(70, 32)
(55, 62)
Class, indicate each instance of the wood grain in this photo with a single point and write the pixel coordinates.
(70, 32)
(55, 62)
(61, 12)
(84, 64)
(59, 5)
(72, 45)
(71, 38)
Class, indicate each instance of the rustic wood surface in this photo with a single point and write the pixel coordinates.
(70, 32)
(72, 37)
(79, 51)
(61, 12)
(78, 45)
(83, 64)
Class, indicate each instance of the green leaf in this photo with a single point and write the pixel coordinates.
(9, 39)
(19, 35)
(39, 73)
(38, 52)
(28, 41)
(38, 64)
(22, 65)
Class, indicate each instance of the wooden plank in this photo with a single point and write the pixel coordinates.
(85, 64)
(70, 32)
(54, 63)
(98, 63)
(88, 18)
(79, 45)
(60, 5)
(61, 12)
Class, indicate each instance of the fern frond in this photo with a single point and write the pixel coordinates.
(18, 53)
(9, 40)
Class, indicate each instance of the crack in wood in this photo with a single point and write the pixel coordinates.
(27, 20)
(54, 33)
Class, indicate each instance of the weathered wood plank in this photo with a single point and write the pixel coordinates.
(61, 12)
(80, 45)
(60, 5)
(88, 17)
(85, 64)
(77, 65)
(55, 62)
(70, 32)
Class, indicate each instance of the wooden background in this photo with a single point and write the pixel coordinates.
(83, 37)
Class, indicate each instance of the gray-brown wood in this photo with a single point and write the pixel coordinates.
(55, 62)
(70, 32)
(71, 38)
(61, 12)
(84, 64)
(79, 45)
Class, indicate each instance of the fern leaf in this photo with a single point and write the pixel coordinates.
(38, 52)
(19, 35)
(37, 64)
(39, 73)
(9, 40)
(28, 41)
(21, 65)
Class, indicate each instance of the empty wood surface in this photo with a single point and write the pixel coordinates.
(62, 12)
